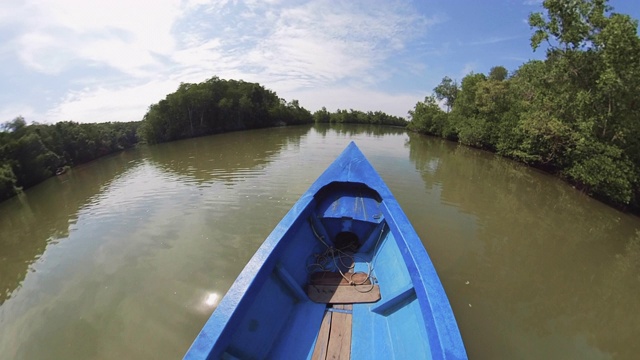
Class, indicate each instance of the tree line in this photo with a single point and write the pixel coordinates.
(216, 106)
(357, 117)
(575, 114)
(32, 153)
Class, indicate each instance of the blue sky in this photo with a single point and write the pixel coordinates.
(94, 61)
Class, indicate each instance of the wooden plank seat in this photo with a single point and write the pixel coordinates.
(333, 288)
(335, 278)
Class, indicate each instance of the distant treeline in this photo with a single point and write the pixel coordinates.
(357, 117)
(218, 105)
(32, 153)
(576, 114)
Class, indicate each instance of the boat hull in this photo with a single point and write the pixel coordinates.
(347, 222)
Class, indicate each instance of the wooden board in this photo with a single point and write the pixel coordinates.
(320, 351)
(348, 294)
(340, 337)
(335, 278)
(334, 337)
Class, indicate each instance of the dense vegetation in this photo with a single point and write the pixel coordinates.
(577, 113)
(32, 153)
(216, 106)
(357, 117)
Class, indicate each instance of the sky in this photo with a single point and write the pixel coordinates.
(96, 61)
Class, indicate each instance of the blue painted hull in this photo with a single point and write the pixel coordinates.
(267, 313)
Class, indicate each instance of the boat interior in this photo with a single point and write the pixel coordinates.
(336, 286)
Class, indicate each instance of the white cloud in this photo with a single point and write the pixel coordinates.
(9, 113)
(142, 50)
(41, 52)
(110, 104)
(495, 40)
(12, 12)
(120, 55)
(121, 34)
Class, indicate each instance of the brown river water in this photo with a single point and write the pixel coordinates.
(126, 257)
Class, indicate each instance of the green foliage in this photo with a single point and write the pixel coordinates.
(498, 73)
(447, 90)
(34, 161)
(215, 106)
(471, 128)
(575, 114)
(16, 125)
(569, 25)
(428, 118)
(291, 113)
(32, 153)
(8, 182)
(602, 169)
(357, 117)
(322, 116)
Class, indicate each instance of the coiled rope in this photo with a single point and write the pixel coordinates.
(332, 255)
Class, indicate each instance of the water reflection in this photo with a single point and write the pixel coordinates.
(47, 213)
(547, 267)
(95, 280)
(350, 130)
(229, 157)
(143, 242)
(212, 299)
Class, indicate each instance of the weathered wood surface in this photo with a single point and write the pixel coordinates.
(346, 294)
(322, 343)
(334, 337)
(335, 278)
(340, 337)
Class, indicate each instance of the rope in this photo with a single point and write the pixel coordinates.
(375, 247)
(320, 238)
(331, 254)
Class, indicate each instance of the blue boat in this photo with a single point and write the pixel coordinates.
(343, 276)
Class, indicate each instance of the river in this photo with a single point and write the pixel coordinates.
(127, 256)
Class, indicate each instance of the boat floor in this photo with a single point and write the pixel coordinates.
(339, 292)
(334, 337)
